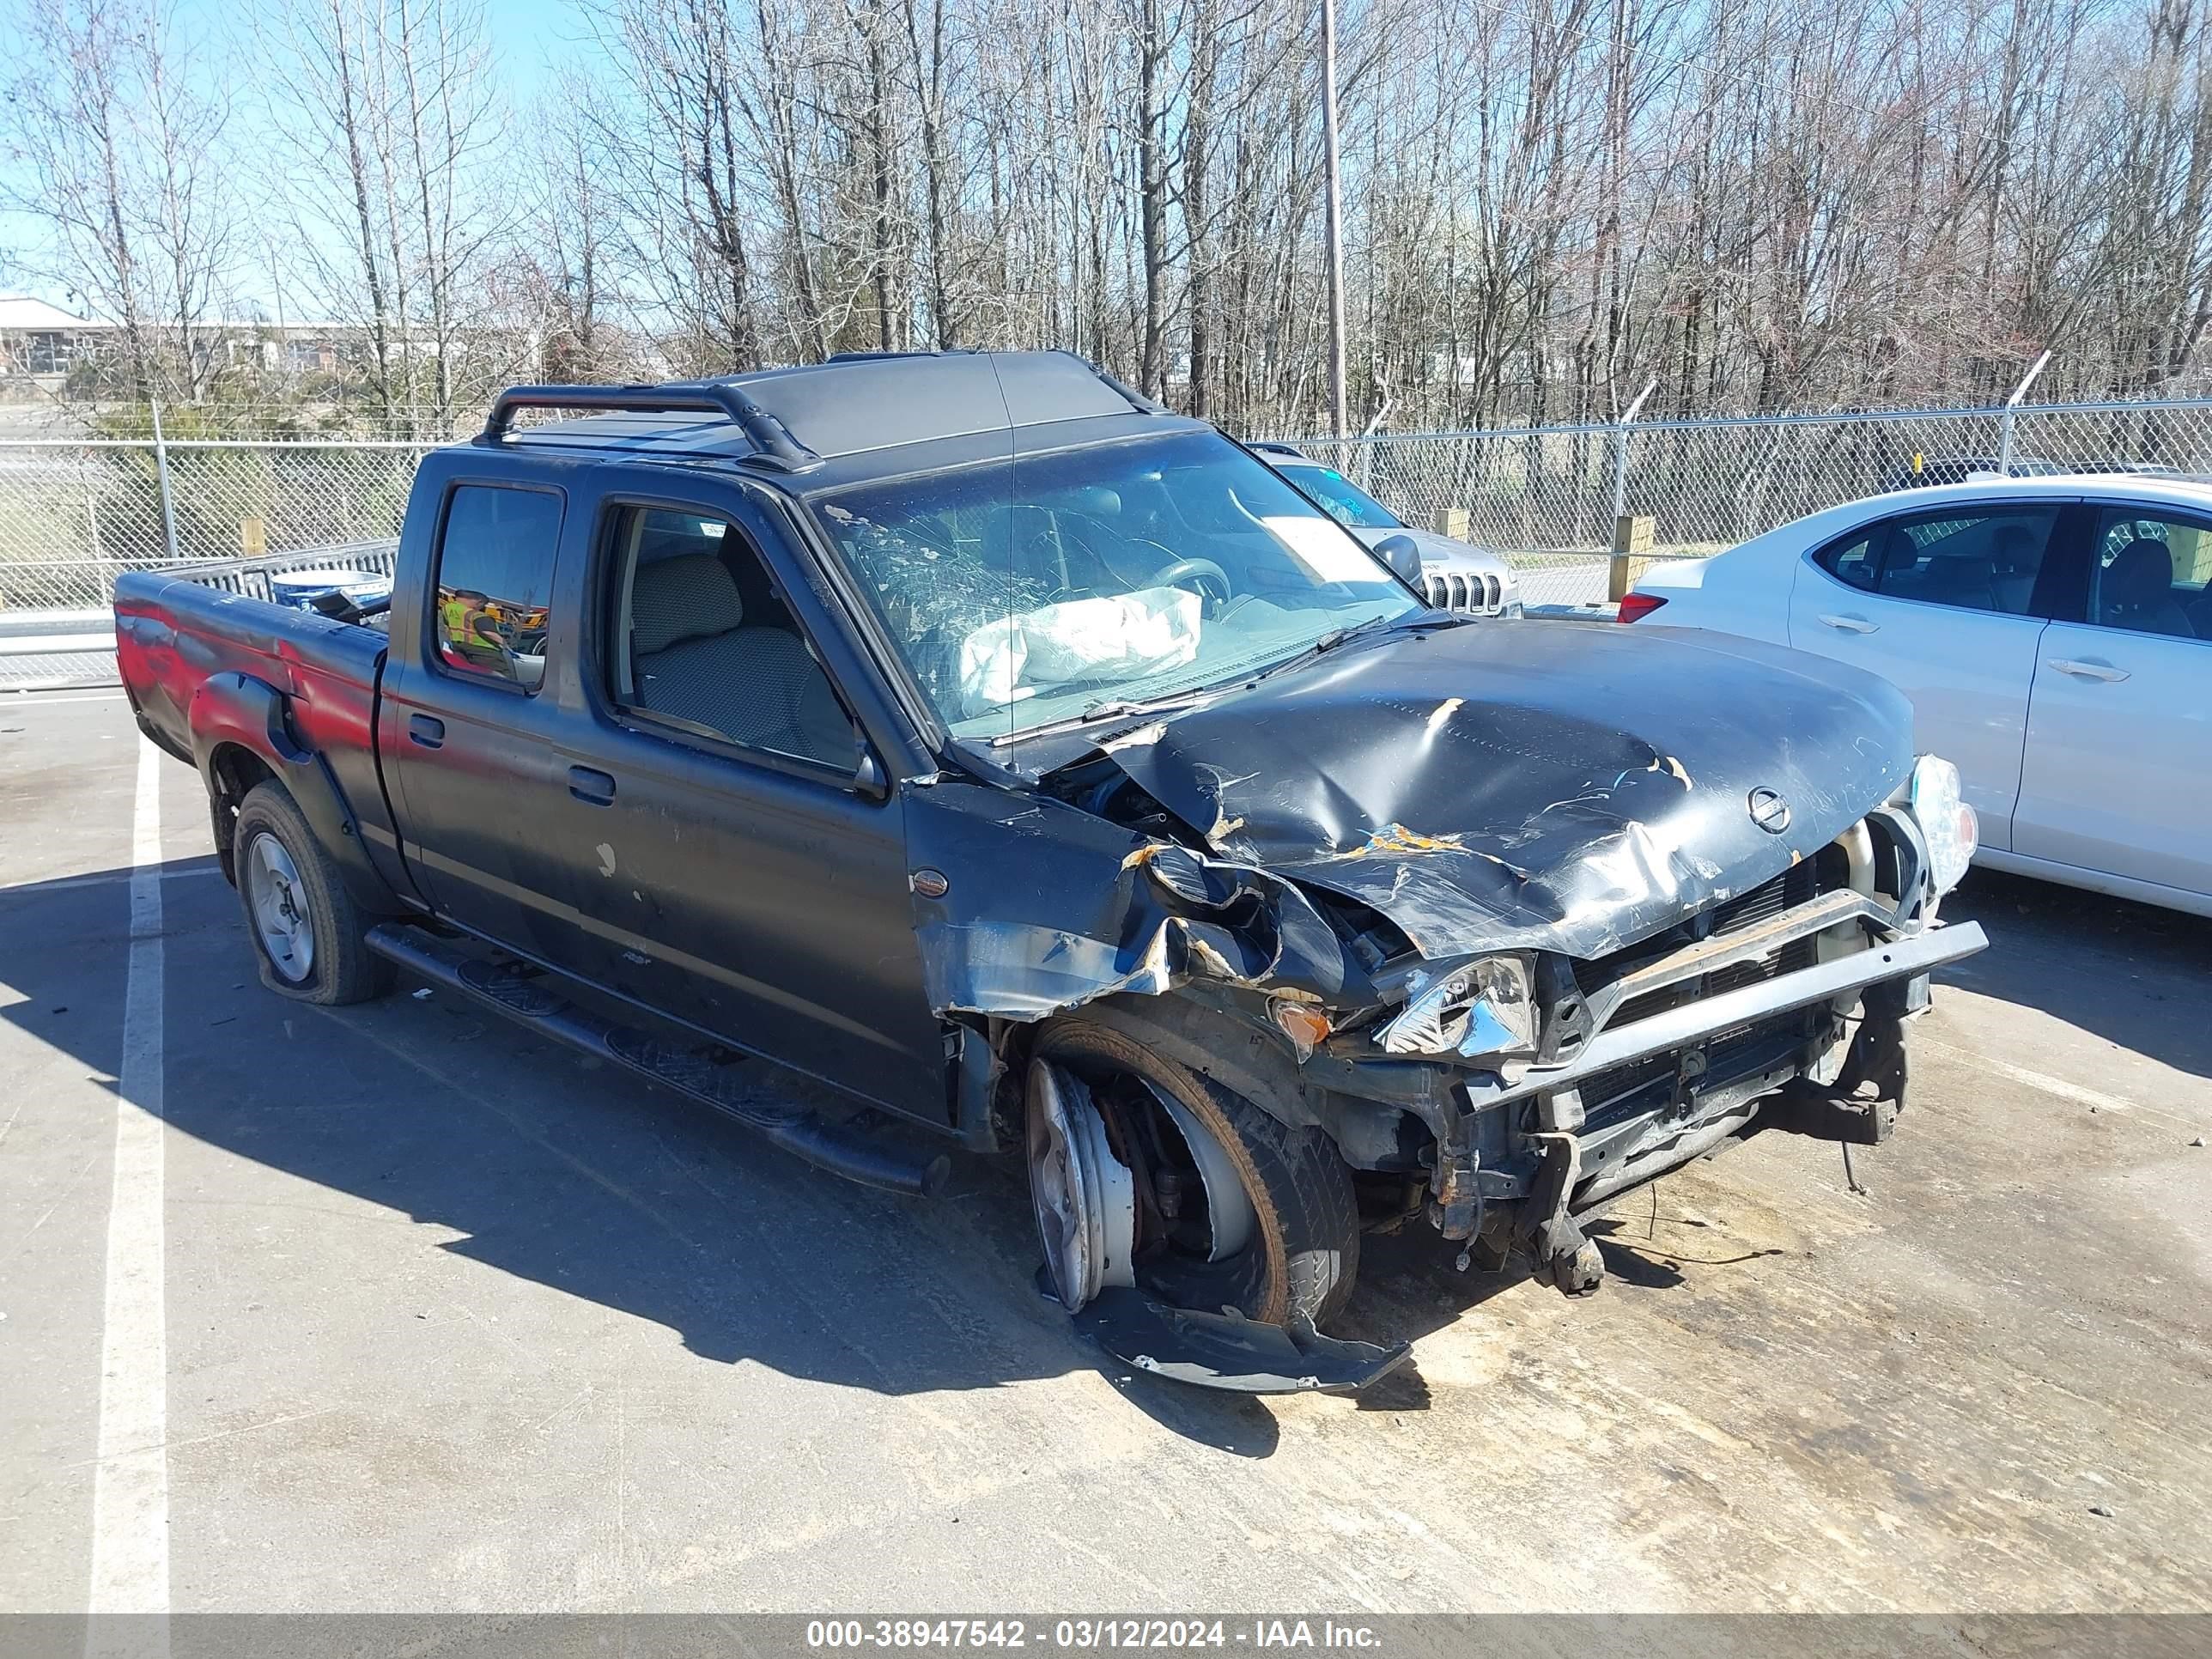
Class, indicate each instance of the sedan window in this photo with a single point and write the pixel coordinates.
(1341, 499)
(1969, 559)
(2151, 574)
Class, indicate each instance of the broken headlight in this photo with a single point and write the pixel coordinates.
(1481, 1007)
(1946, 822)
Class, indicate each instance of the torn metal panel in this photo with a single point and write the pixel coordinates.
(1519, 786)
(1045, 907)
(1228, 1350)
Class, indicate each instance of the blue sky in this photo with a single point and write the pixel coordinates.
(531, 35)
(529, 40)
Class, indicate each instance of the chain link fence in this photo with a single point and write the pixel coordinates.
(1548, 497)
(73, 514)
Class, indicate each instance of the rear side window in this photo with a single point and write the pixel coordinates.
(495, 582)
(1966, 559)
(1856, 562)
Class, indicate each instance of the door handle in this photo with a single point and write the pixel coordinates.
(1852, 624)
(2088, 670)
(427, 730)
(593, 788)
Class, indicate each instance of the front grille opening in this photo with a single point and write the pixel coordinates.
(1478, 592)
(1645, 1085)
(1800, 884)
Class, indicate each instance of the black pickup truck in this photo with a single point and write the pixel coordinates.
(1041, 770)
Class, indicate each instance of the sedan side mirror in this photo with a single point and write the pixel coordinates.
(1403, 557)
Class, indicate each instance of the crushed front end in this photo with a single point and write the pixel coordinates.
(1550, 1085)
(1516, 918)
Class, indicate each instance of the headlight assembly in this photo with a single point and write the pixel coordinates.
(1481, 1007)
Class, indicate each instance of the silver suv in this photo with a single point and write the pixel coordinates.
(1454, 575)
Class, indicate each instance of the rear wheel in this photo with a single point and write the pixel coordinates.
(306, 930)
(1143, 1171)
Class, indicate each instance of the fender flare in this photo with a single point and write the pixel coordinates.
(234, 710)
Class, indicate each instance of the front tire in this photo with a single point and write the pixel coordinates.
(308, 935)
(1303, 1252)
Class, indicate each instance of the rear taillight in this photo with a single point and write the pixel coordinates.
(1635, 607)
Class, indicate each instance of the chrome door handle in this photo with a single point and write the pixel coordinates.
(2088, 670)
(1852, 624)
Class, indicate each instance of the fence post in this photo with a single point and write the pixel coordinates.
(1620, 450)
(1632, 540)
(161, 477)
(2004, 421)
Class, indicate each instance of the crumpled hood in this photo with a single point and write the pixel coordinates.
(1531, 784)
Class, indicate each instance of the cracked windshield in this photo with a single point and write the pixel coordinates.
(1029, 593)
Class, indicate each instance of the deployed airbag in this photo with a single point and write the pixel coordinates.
(1120, 637)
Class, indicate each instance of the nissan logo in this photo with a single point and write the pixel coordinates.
(1769, 810)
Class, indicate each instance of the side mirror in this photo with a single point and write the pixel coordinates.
(868, 779)
(1402, 555)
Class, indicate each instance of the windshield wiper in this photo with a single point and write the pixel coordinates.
(1111, 709)
(1328, 642)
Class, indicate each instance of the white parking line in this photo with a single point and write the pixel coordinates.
(130, 1483)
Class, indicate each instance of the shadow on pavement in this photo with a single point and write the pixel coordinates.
(572, 1174)
(2131, 974)
(568, 1173)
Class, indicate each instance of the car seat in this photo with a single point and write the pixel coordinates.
(2136, 591)
(695, 659)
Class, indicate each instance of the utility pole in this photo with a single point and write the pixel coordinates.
(1335, 220)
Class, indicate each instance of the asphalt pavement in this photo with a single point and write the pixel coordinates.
(445, 1318)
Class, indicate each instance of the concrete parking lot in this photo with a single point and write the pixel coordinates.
(447, 1319)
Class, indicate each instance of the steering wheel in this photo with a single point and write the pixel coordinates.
(1204, 572)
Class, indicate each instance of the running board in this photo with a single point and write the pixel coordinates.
(525, 996)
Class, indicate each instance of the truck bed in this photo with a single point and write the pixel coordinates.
(178, 629)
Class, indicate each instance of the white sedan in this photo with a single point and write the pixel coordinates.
(2055, 636)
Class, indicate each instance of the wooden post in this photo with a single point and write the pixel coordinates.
(253, 536)
(1450, 521)
(1631, 539)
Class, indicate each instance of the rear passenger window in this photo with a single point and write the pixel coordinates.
(1967, 559)
(1855, 563)
(494, 580)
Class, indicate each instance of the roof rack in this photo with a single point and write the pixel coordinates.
(873, 355)
(772, 439)
(1138, 400)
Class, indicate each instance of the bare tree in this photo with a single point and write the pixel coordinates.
(117, 142)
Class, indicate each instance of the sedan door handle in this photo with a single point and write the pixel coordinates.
(427, 730)
(593, 788)
(2088, 670)
(1852, 624)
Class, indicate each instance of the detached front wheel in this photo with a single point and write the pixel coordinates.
(306, 930)
(1143, 1172)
